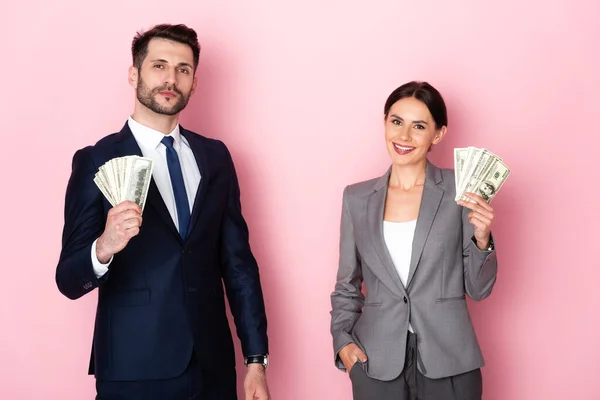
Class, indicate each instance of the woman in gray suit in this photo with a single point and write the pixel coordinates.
(417, 252)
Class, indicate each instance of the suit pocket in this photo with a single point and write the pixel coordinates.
(445, 299)
(137, 297)
(356, 365)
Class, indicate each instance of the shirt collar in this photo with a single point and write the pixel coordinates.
(151, 138)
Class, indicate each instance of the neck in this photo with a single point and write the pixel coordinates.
(159, 122)
(407, 177)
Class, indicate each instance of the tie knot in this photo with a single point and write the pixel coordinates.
(168, 141)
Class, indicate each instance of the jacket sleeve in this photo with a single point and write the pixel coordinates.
(347, 299)
(84, 223)
(241, 276)
(480, 266)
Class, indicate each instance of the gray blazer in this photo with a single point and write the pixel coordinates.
(445, 264)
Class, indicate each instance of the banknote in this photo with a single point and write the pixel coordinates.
(125, 178)
(460, 156)
(478, 171)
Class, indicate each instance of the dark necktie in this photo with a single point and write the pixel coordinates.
(181, 199)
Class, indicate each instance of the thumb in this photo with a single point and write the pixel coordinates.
(249, 392)
(361, 356)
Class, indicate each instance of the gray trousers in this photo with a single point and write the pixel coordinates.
(412, 385)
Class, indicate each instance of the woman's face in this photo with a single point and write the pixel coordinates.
(410, 131)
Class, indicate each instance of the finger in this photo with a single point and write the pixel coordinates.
(120, 218)
(477, 208)
(360, 355)
(131, 232)
(478, 223)
(128, 214)
(119, 225)
(250, 393)
(129, 224)
(128, 205)
(480, 201)
(480, 217)
(136, 220)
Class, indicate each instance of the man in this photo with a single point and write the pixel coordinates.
(161, 330)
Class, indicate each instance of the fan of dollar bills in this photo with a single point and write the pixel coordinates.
(125, 178)
(478, 171)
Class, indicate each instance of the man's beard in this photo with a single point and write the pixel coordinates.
(146, 96)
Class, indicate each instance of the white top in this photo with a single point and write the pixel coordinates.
(149, 141)
(398, 238)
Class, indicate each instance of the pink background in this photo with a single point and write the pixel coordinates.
(296, 89)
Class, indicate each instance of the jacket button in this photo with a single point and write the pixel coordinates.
(405, 300)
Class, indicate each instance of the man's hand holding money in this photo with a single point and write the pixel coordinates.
(122, 223)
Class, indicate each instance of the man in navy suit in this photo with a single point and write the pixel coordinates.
(161, 330)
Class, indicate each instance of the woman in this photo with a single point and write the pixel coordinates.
(417, 252)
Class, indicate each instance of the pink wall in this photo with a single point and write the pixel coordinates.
(296, 89)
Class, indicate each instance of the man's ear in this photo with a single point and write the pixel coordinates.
(133, 76)
(194, 85)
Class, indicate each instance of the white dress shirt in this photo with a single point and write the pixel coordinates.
(398, 238)
(149, 141)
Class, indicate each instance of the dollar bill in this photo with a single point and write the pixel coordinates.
(125, 178)
(478, 171)
(104, 190)
(471, 167)
(136, 189)
(479, 168)
(460, 156)
(489, 185)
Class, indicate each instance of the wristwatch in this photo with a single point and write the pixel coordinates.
(257, 359)
(489, 248)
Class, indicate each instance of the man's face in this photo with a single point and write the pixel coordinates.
(166, 81)
(487, 189)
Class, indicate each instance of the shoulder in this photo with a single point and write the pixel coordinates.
(211, 146)
(97, 153)
(362, 188)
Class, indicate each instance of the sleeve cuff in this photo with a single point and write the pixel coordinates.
(490, 248)
(99, 268)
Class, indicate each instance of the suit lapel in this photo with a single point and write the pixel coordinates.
(375, 210)
(430, 202)
(201, 159)
(127, 146)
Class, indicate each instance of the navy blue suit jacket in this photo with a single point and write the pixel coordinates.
(163, 297)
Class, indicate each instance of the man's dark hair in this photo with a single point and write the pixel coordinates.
(176, 33)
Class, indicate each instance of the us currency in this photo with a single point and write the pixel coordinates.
(125, 178)
(104, 190)
(471, 167)
(140, 175)
(102, 182)
(478, 170)
(460, 156)
(489, 185)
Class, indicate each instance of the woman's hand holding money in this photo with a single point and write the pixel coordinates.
(481, 218)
